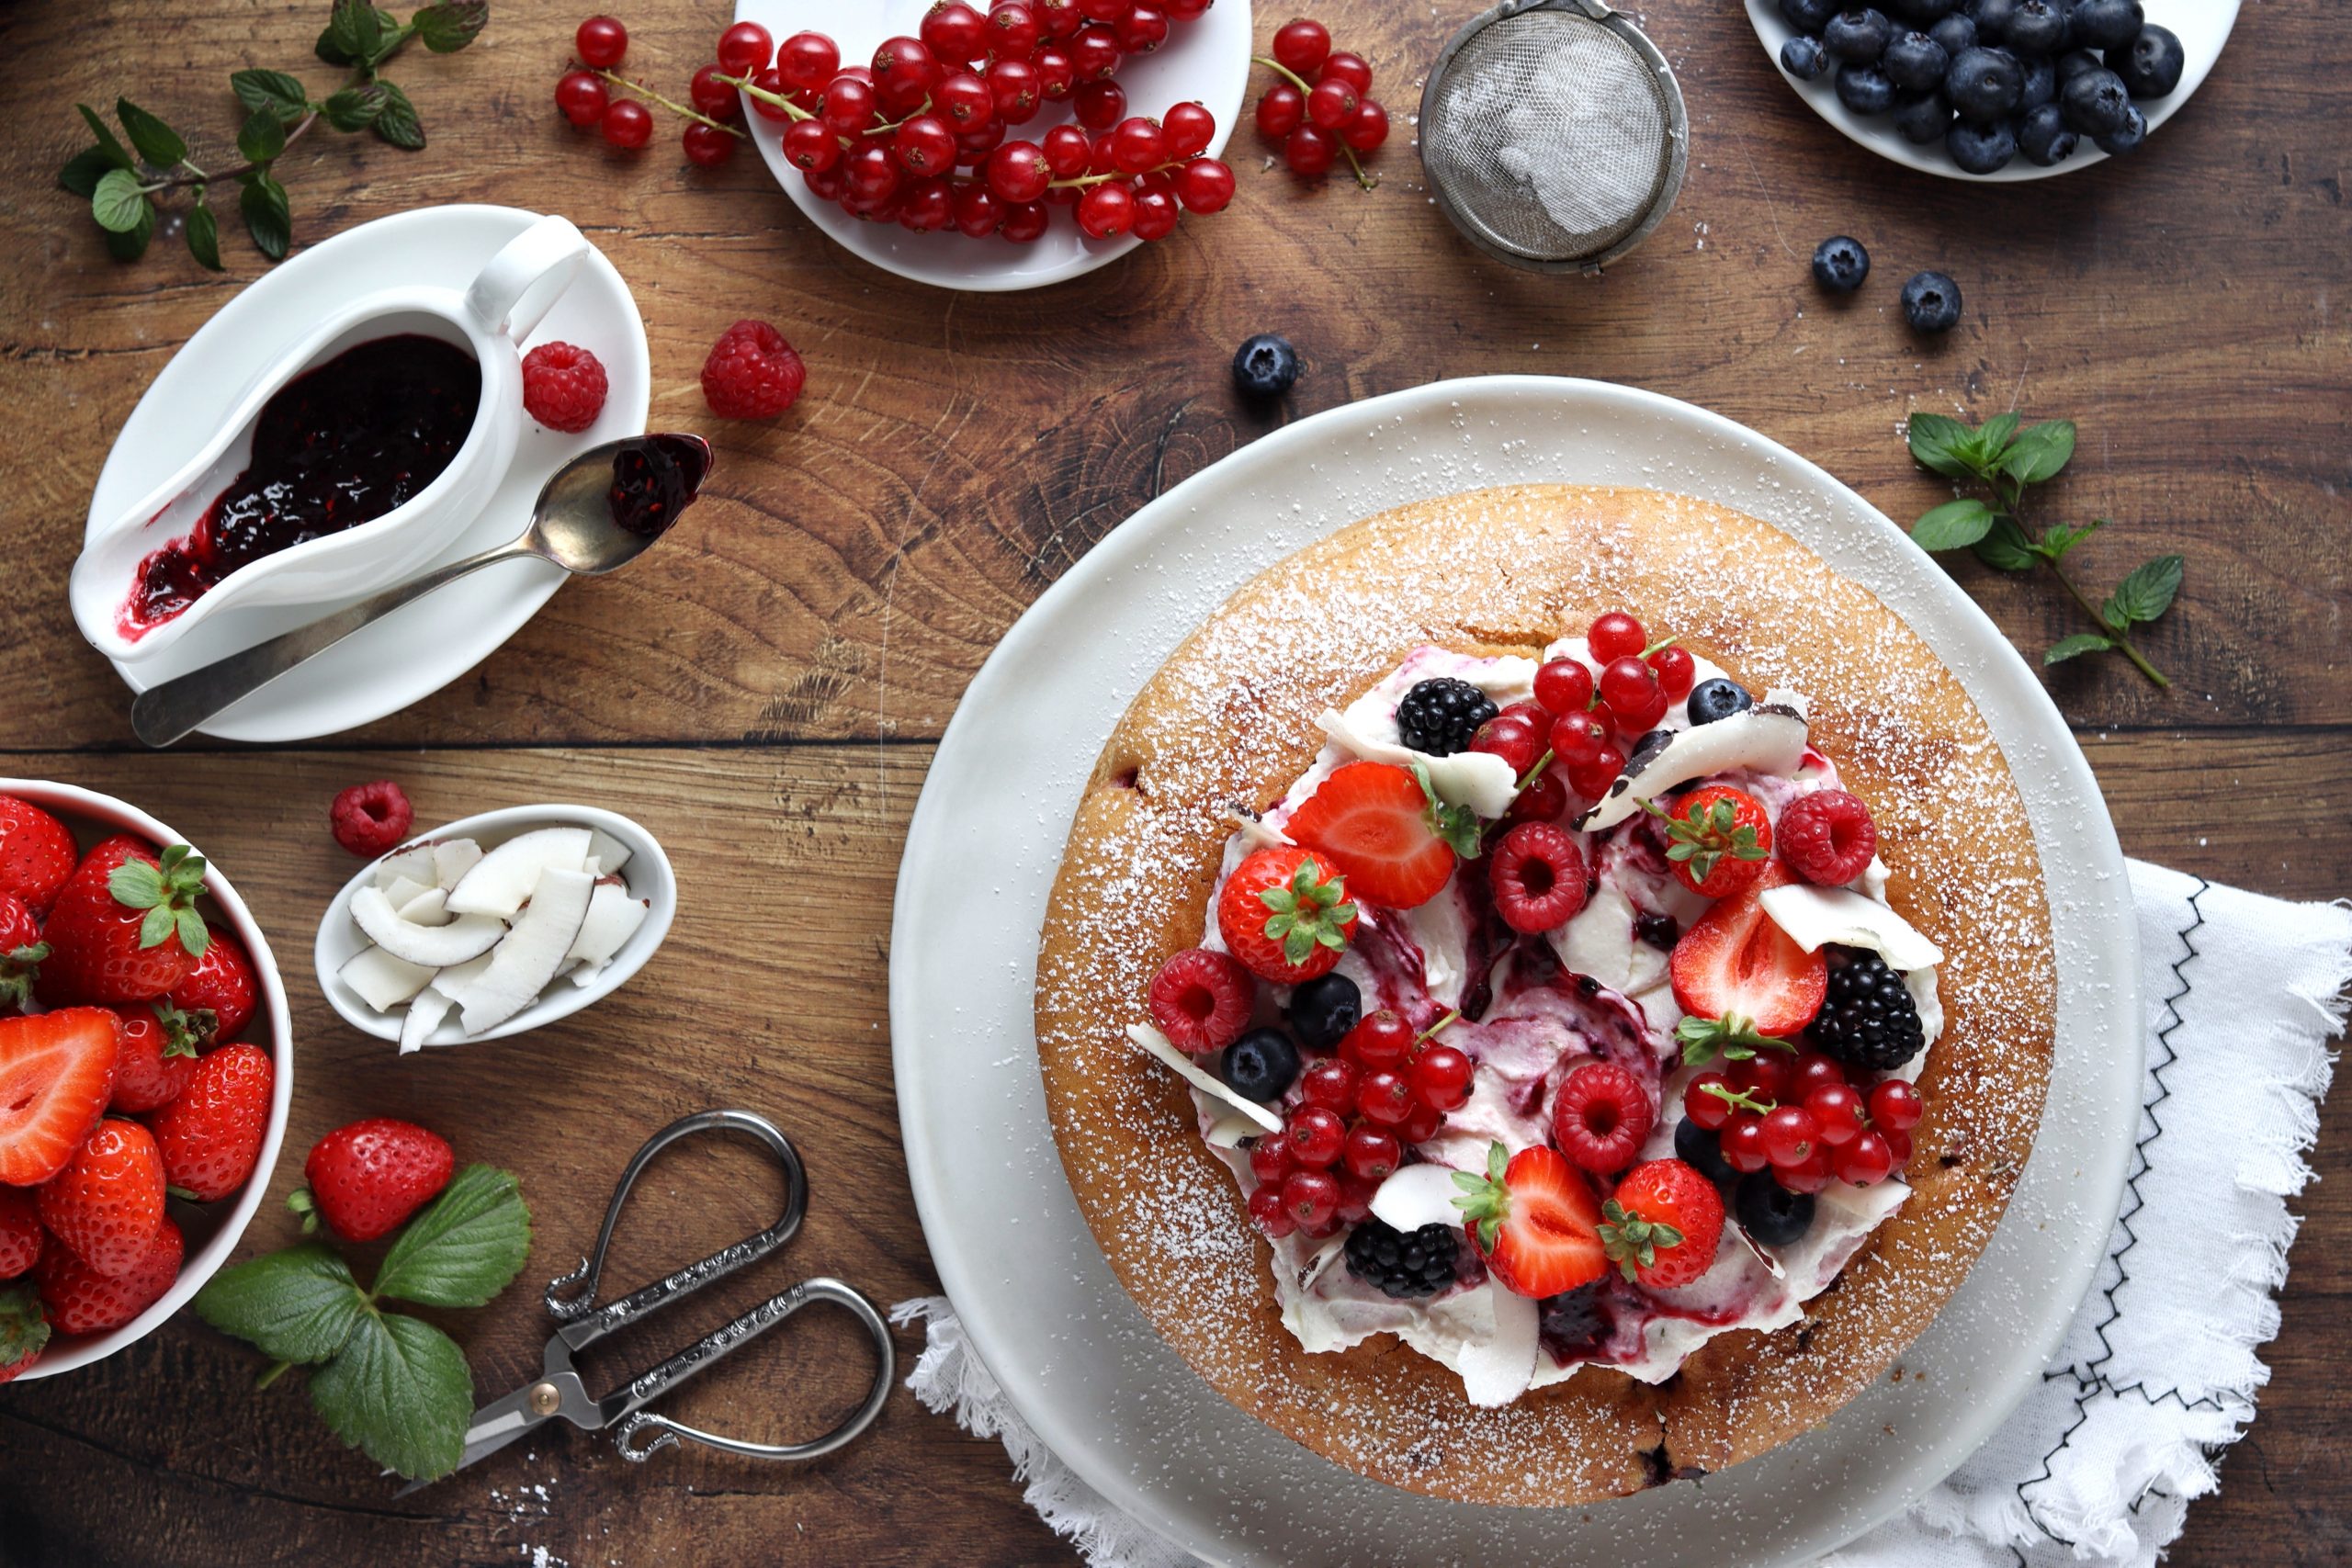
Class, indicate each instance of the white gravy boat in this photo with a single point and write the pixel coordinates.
(489, 320)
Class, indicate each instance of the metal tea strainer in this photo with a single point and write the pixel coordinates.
(1554, 134)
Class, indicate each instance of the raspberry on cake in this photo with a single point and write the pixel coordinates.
(1580, 1077)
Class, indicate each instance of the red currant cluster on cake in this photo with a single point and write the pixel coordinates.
(1322, 110)
(1801, 1117)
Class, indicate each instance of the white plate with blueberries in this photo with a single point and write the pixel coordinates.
(1995, 89)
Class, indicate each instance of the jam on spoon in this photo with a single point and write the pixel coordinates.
(654, 482)
(337, 446)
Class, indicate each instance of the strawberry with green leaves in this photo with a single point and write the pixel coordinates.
(1717, 838)
(222, 984)
(367, 1179)
(24, 1330)
(1387, 831)
(1534, 1220)
(1285, 915)
(21, 951)
(125, 925)
(160, 1047)
(1662, 1224)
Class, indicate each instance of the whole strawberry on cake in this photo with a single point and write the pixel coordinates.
(1548, 998)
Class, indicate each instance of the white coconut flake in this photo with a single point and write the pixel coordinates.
(1814, 917)
(1497, 1369)
(1418, 1195)
(1480, 780)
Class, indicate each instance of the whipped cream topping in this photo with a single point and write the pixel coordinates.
(1594, 989)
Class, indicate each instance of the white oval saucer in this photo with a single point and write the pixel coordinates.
(1206, 60)
(422, 648)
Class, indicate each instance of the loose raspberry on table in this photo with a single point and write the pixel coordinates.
(751, 373)
(372, 818)
(563, 387)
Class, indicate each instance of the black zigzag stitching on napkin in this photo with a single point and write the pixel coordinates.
(2091, 1380)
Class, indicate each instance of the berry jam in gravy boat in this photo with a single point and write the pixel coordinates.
(409, 397)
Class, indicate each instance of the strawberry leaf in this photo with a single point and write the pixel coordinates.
(1633, 1243)
(1731, 1036)
(400, 1392)
(466, 1248)
(1457, 825)
(299, 1305)
(24, 1328)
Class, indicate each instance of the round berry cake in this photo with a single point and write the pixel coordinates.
(1548, 991)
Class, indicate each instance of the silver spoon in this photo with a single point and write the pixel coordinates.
(600, 511)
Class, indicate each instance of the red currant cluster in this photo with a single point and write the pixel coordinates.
(1322, 109)
(886, 140)
(1799, 1116)
(584, 97)
(1387, 1087)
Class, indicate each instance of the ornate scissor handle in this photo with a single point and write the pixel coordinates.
(748, 1327)
(584, 1322)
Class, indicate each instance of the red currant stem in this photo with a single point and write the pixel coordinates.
(2011, 494)
(1441, 1023)
(1366, 180)
(773, 100)
(1535, 772)
(1740, 1100)
(695, 115)
(1660, 645)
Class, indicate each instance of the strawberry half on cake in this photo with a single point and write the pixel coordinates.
(1551, 1002)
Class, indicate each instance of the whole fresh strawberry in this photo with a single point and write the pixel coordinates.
(159, 1046)
(20, 1232)
(222, 984)
(21, 951)
(212, 1135)
(1387, 831)
(368, 1179)
(125, 925)
(1534, 1220)
(56, 1074)
(36, 853)
(105, 1203)
(82, 1301)
(1717, 839)
(1662, 1224)
(1285, 915)
(24, 1329)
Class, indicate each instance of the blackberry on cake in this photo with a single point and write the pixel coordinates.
(1868, 1019)
(1440, 716)
(1403, 1264)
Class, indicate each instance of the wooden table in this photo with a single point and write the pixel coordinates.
(765, 692)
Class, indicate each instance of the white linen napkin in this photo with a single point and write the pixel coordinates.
(2160, 1370)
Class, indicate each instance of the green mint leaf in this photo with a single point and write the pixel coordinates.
(157, 143)
(1944, 445)
(353, 108)
(354, 32)
(131, 243)
(397, 122)
(1993, 437)
(297, 1306)
(2148, 591)
(2059, 538)
(281, 94)
(2041, 452)
(450, 26)
(109, 142)
(82, 171)
(470, 1243)
(118, 202)
(400, 1394)
(2075, 647)
(1953, 526)
(262, 137)
(2005, 546)
(204, 244)
(263, 205)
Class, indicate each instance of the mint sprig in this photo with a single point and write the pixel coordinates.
(2006, 462)
(122, 185)
(393, 1387)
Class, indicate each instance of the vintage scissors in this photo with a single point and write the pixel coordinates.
(558, 1391)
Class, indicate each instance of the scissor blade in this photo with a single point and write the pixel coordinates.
(493, 1426)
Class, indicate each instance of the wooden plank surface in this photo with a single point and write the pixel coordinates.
(761, 690)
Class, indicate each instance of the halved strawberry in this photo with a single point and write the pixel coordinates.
(1534, 1220)
(56, 1072)
(1383, 827)
(1735, 964)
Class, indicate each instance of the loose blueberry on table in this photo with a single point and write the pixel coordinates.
(1983, 78)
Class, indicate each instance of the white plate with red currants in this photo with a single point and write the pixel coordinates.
(972, 187)
(1038, 1302)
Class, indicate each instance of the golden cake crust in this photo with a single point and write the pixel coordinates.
(1230, 721)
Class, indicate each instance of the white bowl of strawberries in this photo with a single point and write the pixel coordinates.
(145, 1066)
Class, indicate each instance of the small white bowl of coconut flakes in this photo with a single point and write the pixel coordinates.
(495, 924)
